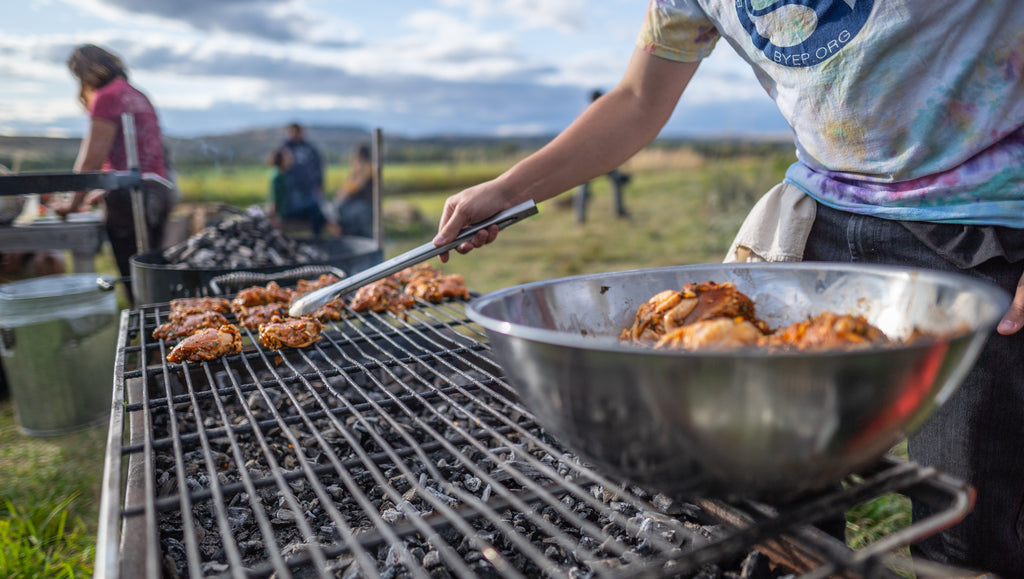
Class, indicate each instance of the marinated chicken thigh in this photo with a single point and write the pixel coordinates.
(290, 332)
(713, 316)
(695, 302)
(207, 344)
(179, 327)
(827, 330)
(188, 306)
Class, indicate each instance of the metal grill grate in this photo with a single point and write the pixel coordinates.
(395, 447)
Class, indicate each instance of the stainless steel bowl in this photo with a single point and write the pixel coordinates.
(743, 422)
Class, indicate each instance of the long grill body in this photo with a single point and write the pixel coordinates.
(395, 447)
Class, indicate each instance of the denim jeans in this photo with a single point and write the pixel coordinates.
(978, 434)
(311, 214)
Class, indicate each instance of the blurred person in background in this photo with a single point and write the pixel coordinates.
(354, 209)
(305, 179)
(105, 94)
(901, 159)
(281, 161)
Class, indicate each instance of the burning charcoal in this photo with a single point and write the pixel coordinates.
(708, 571)
(283, 516)
(661, 502)
(241, 242)
(211, 567)
(251, 548)
(756, 566)
(391, 516)
(238, 517)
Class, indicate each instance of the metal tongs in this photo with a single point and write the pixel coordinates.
(315, 300)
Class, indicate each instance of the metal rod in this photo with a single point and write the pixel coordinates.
(131, 151)
(377, 156)
(108, 529)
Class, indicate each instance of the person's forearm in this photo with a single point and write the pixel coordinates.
(608, 132)
(95, 146)
(76, 201)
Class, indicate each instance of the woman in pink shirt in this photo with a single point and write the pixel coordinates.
(105, 93)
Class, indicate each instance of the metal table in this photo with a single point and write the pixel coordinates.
(83, 235)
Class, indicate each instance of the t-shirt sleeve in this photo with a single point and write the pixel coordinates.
(677, 30)
(107, 105)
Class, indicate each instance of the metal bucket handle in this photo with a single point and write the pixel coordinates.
(238, 279)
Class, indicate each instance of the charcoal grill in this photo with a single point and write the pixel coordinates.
(395, 447)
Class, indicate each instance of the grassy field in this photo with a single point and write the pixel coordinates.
(683, 209)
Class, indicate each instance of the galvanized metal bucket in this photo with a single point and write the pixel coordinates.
(58, 337)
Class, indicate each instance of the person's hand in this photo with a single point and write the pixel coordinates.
(93, 198)
(1013, 319)
(62, 207)
(466, 208)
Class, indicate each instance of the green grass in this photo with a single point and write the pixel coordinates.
(679, 214)
(44, 542)
(49, 499)
(242, 186)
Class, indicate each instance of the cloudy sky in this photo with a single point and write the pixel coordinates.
(411, 67)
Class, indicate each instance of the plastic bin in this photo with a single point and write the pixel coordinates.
(58, 338)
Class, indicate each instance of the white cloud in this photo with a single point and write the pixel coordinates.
(514, 66)
(521, 130)
(565, 16)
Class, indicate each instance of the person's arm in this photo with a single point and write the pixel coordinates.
(93, 152)
(606, 134)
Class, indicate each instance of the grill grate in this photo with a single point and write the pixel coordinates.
(395, 447)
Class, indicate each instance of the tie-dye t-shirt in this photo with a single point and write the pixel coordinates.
(903, 109)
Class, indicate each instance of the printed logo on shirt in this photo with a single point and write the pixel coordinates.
(800, 33)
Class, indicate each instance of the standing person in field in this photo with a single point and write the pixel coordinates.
(281, 160)
(908, 121)
(616, 178)
(305, 180)
(355, 196)
(105, 94)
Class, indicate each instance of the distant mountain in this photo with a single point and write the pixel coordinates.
(38, 153)
(335, 144)
(252, 147)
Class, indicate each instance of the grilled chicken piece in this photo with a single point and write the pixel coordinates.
(717, 333)
(290, 332)
(189, 306)
(207, 344)
(695, 302)
(827, 331)
(331, 311)
(250, 317)
(304, 286)
(261, 295)
(436, 289)
(181, 326)
(381, 296)
(406, 275)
